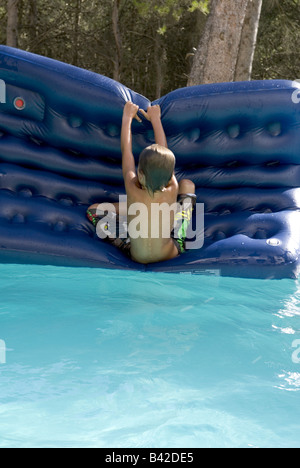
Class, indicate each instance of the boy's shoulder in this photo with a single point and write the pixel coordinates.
(174, 183)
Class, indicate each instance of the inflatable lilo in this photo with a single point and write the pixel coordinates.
(60, 153)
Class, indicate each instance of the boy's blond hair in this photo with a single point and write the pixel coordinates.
(157, 164)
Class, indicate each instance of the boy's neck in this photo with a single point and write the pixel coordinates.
(152, 194)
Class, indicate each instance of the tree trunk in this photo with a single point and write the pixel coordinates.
(12, 23)
(33, 31)
(76, 32)
(160, 58)
(216, 58)
(118, 40)
(248, 41)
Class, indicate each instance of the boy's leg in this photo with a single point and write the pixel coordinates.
(186, 187)
(111, 220)
(186, 193)
(96, 212)
(119, 208)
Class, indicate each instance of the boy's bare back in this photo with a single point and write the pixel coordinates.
(149, 247)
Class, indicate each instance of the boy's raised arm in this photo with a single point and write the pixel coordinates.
(128, 162)
(153, 114)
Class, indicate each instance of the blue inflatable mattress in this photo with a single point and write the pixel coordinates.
(60, 152)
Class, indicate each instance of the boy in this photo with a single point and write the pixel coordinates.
(153, 184)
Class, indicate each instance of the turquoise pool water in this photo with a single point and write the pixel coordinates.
(94, 358)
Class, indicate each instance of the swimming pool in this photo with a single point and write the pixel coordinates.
(97, 358)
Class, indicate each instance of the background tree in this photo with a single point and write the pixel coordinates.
(226, 36)
(278, 42)
(156, 38)
(243, 69)
(12, 23)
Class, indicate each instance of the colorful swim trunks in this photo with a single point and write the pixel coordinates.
(111, 229)
(183, 220)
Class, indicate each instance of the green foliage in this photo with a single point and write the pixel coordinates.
(202, 5)
(277, 52)
(157, 38)
(155, 35)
